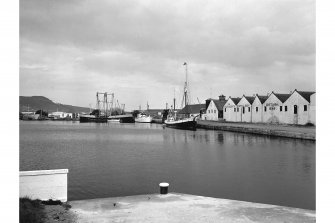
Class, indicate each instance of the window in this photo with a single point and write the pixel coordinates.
(286, 108)
(243, 109)
(256, 109)
(265, 108)
(234, 109)
(237, 109)
(249, 109)
(295, 109)
(225, 109)
(281, 108)
(305, 107)
(214, 111)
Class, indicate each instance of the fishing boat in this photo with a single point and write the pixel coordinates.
(126, 118)
(143, 118)
(98, 115)
(187, 121)
(92, 118)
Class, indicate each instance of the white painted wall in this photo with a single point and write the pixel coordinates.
(228, 111)
(246, 116)
(212, 113)
(312, 109)
(257, 116)
(302, 117)
(44, 184)
(273, 113)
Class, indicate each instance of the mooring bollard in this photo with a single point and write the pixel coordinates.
(164, 188)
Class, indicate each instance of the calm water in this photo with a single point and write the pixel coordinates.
(108, 160)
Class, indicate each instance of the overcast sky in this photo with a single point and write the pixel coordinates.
(70, 49)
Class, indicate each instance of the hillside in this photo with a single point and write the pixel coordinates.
(40, 102)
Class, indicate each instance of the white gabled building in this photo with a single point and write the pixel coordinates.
(257, 108)
(273, 109)
(231, 113)
(299, 108)
(244, 106)
(214, 108)
(312, 110)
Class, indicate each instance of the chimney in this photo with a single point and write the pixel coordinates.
(222, 97)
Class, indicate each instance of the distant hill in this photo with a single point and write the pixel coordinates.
(39, 102)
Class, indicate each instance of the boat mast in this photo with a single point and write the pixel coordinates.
(185, 97)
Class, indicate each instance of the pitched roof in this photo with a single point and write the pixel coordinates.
(306, 94)
(219, 104)
(236, 100)
(282, 97)
(250, 99)
(192, 109)
(262, 98)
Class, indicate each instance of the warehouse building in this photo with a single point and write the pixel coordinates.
(298, 108)
(244, 106)
(257, 108)
(273, 108)
(231, 113)
(214, 108)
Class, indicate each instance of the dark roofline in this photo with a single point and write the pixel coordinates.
(305, 94)
(280, 96)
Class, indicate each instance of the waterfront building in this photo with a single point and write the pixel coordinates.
(299, 108)
(231, 111)
(257, 108)
(60, 115)
(214, 108)
(244, 106)
(192, 110)
(273, 108)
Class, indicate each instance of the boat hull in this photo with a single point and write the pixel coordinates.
(144, 119)
(188, 124)
(121, 118)
(91, 118)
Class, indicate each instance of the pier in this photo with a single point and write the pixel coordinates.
(176, 207)
(290, 131)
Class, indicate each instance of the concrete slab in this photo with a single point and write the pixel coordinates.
(175, 207)
(290, 131)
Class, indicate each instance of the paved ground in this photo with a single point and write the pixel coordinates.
(304, 132)
(175, 207)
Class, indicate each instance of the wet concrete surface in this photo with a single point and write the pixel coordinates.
(175, 207)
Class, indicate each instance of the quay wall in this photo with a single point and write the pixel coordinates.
(44, 184)
(254, 129)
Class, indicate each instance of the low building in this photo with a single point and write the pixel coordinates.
(257, 108)
(192, 110)
(214, 108)
(231, 111)
(244, 106)
(298, 109)
(273, 108)
(60, 115)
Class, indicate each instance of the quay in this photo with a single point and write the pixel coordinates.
(176, 207)
(290, 131)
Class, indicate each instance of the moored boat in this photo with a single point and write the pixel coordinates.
(127, 118)
(92, 118)
(143, 118)
(185, 123)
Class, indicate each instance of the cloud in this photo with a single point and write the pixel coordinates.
(227, 43)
